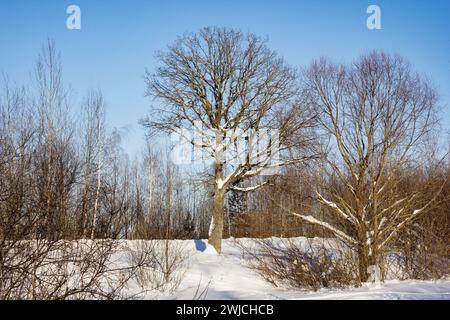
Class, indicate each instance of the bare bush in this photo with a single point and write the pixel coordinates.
(301, 265)
(201, 293)
(41, 269)
(160, 264)
(419, 254)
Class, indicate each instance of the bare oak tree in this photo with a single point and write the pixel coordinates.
(220, 85)
(375, 115)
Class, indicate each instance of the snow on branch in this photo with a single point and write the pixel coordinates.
(411, 217)
(350, 217)
(341, 235)
(248, 189)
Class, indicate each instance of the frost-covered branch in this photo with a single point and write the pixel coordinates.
(248, 189)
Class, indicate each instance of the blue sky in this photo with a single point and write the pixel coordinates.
(118, 40)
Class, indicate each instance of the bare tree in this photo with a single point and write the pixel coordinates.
(221, 85)
(96, 102)
(93, 145)
(54, 160)
(376, 114)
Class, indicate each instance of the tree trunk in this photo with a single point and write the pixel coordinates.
(97, 194)
(365, 261)
(84, 207)
(363, 264)
(216, 227)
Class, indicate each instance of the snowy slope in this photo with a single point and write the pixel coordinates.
(226, 277)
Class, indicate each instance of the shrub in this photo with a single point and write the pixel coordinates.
(298, 264)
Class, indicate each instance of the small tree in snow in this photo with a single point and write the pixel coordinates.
(375, 115)
(220, 86)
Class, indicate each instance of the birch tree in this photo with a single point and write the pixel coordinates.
(220, 85)
(50, 102)
(93, 162)
(375, 114)
(98, 106)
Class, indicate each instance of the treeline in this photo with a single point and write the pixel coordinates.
(63, 174)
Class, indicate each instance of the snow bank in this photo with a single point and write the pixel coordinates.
(226, 276)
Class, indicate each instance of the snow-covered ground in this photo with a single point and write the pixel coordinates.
(226, 276)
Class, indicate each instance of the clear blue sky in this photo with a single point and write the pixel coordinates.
(119, 38)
